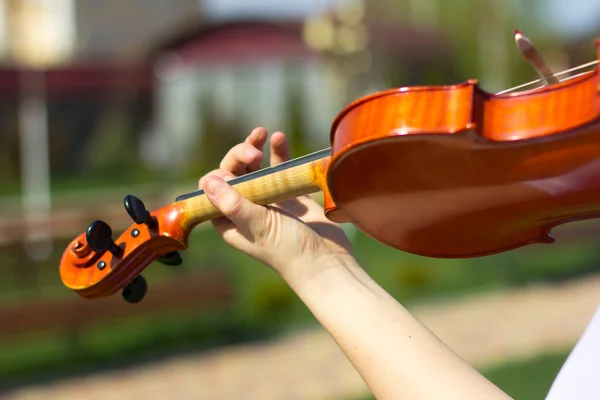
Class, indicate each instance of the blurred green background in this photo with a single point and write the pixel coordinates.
(102, 99)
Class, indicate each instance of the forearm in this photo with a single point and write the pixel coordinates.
(396, 355)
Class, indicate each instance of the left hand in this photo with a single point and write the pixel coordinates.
(291, 233)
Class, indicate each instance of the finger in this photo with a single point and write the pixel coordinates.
(250, 219)
(221, 173)
(241, 159)
(257, 138)
(247, 156)
(280, 150)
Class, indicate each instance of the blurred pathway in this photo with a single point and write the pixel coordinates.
(484, 329)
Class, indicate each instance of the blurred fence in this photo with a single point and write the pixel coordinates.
(71, 315)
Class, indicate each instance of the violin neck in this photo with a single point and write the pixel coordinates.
(269, 185)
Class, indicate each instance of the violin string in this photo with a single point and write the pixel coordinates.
(266, 171)
(580, 67)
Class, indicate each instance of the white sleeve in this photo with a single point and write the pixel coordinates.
(579, 377)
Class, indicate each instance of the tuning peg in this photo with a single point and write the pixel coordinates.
(99, 238)
(137, 211)
(135, 291)
(172, 258)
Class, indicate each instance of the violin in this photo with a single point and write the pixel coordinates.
(438, 171)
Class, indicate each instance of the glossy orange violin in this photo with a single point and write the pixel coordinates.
(443, 171)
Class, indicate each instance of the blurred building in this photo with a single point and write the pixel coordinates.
(127, 30)
(101, 69)
(159, 75)
(94, 30)
(225, 78)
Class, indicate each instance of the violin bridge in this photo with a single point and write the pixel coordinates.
(531, 54)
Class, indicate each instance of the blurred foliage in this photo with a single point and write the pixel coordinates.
(49, 355)
(9, 144)
(109, 150)
(220, 136)
(475, 31)
(413, 275)
(272, 302)
(264, 304)
(528, 379)
(295, 134)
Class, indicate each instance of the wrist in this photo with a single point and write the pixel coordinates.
(323, 271)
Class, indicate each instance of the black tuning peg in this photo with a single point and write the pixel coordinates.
(135, 290)
(137, 211)
(99, 238)
(172, 258)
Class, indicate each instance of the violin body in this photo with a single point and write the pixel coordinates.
(445, 171)
(453, 171)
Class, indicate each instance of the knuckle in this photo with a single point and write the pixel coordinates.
(233, 156)
(232, 204)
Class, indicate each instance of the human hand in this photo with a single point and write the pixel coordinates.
(292, 233)
(373, 330)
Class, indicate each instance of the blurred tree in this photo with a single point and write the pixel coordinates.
(296, 133)
(9, 143)
(481, 33)
(109, 150)
(219, 135)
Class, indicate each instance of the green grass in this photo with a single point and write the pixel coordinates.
(530, 379)
(45, 355)
(411, 278)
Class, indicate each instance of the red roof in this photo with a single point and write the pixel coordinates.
(236, 41)
(241, 40)
(82, 79)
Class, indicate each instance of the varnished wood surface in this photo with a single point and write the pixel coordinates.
(79, 264)
(539, 113)
(289, 183)
(455, 172)
(454, 196)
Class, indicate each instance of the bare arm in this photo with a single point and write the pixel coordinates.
(397, 356)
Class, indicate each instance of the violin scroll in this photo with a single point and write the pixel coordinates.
(94, 265)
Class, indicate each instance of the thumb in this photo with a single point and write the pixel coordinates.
(250, 218)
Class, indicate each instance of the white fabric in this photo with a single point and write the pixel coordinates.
(579, 377)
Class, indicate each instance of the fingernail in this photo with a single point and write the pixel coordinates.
(214, 185)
